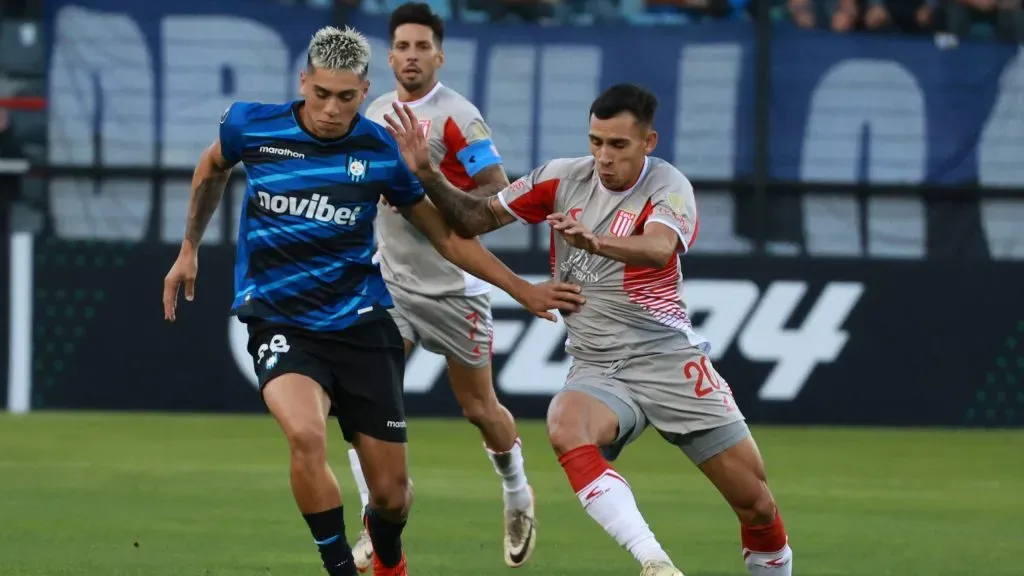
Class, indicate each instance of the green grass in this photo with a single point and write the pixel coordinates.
(209, 496)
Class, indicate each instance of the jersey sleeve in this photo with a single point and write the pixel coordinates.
(675, 206)
(532, 198)
(405, 189)
(468, 137)
(232, 132)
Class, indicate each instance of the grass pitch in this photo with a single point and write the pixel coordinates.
(159, 495)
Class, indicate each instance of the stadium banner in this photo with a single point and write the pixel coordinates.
(844, 108)
(149, 90)
(800, 341)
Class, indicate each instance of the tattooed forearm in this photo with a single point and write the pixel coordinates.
(489, 181)
(203, 203)
(467, 215)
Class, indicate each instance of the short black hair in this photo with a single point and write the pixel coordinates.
(639, 102)
(417, 13)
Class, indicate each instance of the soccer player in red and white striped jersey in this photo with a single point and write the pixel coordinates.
(621, 220)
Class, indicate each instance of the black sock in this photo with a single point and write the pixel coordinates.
(328, 528)
(386, 537)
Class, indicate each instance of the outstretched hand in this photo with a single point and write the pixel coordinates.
(182, 273)
(576, 235)
(541, 298)
(412, 142)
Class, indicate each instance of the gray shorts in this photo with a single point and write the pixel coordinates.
(679, 393)
(457, 327)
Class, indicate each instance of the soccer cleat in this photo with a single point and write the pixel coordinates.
(380, 569)
(658, 568)
(520, 534)
(362, 552)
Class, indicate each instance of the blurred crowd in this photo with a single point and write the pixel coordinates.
(994, 19)
(1000, 19)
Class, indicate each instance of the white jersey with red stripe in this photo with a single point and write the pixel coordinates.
(460, 144)
(630, 310)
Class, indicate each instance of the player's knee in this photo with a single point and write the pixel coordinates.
(566, 430)
(480, 411)
(307, 442)
(762, 511)
(393, 498)
(757, 507)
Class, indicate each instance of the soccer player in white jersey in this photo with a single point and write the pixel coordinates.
(621, 220)
(436, 303)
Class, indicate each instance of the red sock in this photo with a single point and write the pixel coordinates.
(764, 538)
(583, 465)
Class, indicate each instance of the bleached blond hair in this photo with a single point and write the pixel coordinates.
(336, 49)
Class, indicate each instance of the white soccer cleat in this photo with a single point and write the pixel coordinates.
(660, 569)
(362, 552)
(520, 534)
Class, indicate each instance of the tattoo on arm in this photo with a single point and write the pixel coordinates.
(489, 181)
(204, 201)
(468, 215)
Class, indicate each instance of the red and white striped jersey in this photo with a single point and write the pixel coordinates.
(460, 143)
(630, 310)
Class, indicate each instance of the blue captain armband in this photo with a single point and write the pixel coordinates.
(478, 155)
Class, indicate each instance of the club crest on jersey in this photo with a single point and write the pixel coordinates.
(622, 223)
(357, 169)
(425, 127)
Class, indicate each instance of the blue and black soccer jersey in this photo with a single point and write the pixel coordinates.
(306, 237)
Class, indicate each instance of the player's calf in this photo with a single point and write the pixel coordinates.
(578, 422)
(390, 491)
(474, 390)
(300, 407)
(495, 422)
(386, 517)
(738, 473)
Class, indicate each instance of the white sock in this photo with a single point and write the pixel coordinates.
(609, 501)
(511, 467)
(769, 563)
(357, 473)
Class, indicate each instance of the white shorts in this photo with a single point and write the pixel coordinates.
(457, 327)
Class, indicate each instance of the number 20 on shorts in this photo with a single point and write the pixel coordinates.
(707, 379)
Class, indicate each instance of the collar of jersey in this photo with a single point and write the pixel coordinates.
(643, 174)
(425, 97)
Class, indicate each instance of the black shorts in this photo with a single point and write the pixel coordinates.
(362, 369)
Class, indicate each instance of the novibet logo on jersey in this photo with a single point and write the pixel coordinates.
(315, 208)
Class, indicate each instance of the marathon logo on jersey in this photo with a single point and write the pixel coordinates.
(281, 152)
(622, 223)
(315, 208)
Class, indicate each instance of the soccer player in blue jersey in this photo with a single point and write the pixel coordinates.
(315, 303)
